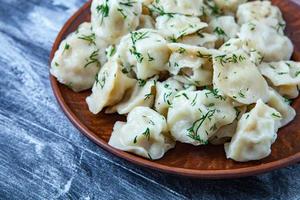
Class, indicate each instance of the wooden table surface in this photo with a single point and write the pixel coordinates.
(43, 156)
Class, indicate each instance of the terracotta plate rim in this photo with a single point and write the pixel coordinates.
(205, 174)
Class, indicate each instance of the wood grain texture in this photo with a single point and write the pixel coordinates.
(42, 155)
(204, 161)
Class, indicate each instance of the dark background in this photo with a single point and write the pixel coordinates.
(42, 156)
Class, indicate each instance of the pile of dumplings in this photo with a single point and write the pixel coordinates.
(194, 71)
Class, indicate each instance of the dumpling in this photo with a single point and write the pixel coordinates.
(165, 93)
(184, 7)
(196, 115)
(143, 94)
(191, 63)
(111, 19)
(225, 133)
(279, 103)
(145, 133)
(178, 26)
(76, 63)
(256, 132)
(145, 52)
(237, 77)
(229, 6)
(199, 39)
(262, 11)
(235, 44)
(272, 45)
(224, 27)
(281, 73)
(110, 87)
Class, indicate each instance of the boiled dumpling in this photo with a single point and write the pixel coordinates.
(225, 133)
(229, 6)
(185, 7)
(256, 132)
(145, 52)
(196, 115)
(111, 19)
(272, 45)
(281, 73)
(235, 44)
(199, 39)
(178, 26)
(284, 76)
(76, 63)
(165, 93)
(143, 94)
(145, 133)
(110, 87)
(192, 64)
(279, 103)
(237, 77)
(224, 27)
(262, 11)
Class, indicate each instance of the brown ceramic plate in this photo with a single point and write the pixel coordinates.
(204, 161)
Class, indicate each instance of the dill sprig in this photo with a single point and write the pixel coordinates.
(201, 55)
(160, 11)
(141, 82)
(136, 36)
(66, 47)
(194, 100)
(103, 10)
(150, 58)
(89, 38)
(147, 96)
(128, 3)
(167, 98)
(220, 31)
(215, 93)
(122, 13)
(93, 59)
(147, 133)
(223, 59)
(193, 130)
(276, 115)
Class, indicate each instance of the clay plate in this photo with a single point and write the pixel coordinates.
(201, 162)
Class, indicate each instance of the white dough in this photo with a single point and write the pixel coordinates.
(237, 77)
(185, 7)
(193, 64)
(145, 133)
(263, 38)
(109, 88)
(256, 132)
(196, 115)
(178, 26)
(279, 103)
(229, 6)
(200, 39)
(145, 52)
(281, 73)
(224, 27)
(111, 19)
(76, 63)
(262, 11)
(143, 94)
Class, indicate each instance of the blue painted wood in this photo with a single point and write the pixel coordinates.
(42, 156)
